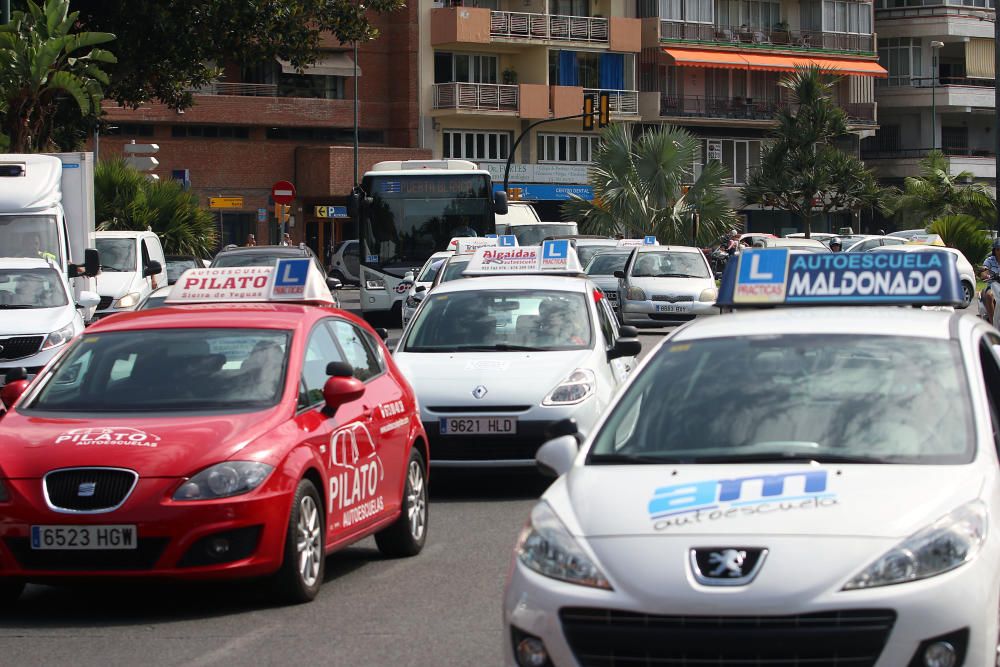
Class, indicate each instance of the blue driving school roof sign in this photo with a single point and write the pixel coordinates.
(772, 277)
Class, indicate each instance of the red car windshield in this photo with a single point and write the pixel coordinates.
(168, 370)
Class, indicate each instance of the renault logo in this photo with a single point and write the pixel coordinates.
(86, 490)
(726, 566)
(479, 391)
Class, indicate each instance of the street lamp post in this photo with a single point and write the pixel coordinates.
(935, 47)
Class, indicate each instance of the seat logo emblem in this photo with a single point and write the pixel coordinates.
(479, 392)
(86, 490)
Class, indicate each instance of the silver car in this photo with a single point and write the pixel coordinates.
(665, 285)
(601, 269)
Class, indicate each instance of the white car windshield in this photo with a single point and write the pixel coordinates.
(31, 288)
(453, 270)
(774, 398)
(666, 264)
(501, 320)
(168, 370)
(430, 270)
(117, 254)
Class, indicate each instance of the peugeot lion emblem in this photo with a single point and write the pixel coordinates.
(86, 490)
(479, 391)
(726, 566)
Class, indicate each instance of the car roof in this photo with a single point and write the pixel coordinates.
(867, 321)
(222, 316)
(122, 234)
(792, 242)
(531, 282)
(671, 248)
(290, 250)
(25, 263)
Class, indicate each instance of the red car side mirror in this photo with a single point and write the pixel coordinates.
(340, 390)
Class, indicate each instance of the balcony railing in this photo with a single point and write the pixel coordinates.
(747, 109)
(902, 153)
(928, 82)
(624, 102)
(521, 25)
(475, 96)
(807, 40)
(240, 89)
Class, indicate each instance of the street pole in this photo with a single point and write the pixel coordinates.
(935, 65)
(996, 107)
(524, 133)
(6, 11)
(356, 5)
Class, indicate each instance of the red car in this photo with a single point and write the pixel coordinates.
(213, 441)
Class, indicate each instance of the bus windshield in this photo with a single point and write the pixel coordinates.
(412, 217)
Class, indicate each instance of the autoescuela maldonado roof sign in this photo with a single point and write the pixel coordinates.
(770, 277)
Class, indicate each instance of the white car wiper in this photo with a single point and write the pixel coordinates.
(788, 457)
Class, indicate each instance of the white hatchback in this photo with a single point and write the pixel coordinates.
(497, 362)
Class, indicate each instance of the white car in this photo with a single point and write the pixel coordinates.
(498, 361)
(665, 285)
(422, 283)
(586, 247)
(37, 313)
(801, 244)
(132, 266)
(815, 486)
(869, 243)
(965, 270)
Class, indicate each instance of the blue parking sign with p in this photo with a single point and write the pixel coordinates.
(558, 249)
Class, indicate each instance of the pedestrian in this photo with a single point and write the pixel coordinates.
(251, 241)
(286, 239)
(836, 245)
(733, 244)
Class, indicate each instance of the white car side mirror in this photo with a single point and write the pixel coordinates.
(556, 456)
(88, 300)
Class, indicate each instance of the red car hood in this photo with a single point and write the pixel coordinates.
(152, 446)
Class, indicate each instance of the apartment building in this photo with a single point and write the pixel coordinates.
(940, 88)
(490, 68)
(265, 122)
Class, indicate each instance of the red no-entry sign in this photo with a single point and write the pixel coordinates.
(283, 192)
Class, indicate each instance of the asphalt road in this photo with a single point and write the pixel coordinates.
(439, 608)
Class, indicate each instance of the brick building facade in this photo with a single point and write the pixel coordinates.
(249, 130)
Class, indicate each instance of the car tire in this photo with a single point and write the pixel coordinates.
(407, 534)
(10, 590)
(304, 562)
(968, 294)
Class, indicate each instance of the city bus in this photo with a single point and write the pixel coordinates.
(408, 211)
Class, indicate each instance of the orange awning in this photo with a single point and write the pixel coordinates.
(772, 63)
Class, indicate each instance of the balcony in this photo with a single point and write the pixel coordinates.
(950, 93)
(739, 108)
(620, 102)
(904, 162)
(548, 27)
(476, 96)
(238, 89)
(767, 39)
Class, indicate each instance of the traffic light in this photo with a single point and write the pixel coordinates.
(514, 194)
(603, 109)
(588, 113)
(282, 212)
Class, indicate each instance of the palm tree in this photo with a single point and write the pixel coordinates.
(935, 193)
(964, 233)
(42, 72)
(802, 170)
(126, 200)
(640, 188)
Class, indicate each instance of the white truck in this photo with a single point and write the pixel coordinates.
(47, 211)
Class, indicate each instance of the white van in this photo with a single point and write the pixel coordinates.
(518, 213)
(132, 266)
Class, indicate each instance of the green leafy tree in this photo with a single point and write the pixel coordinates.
(639, 188)
(964, 233)
(167, 47)
(802, 170)
(49, 75)
(935, 193)
(126, 200)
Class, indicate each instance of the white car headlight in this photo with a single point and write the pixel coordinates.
(223, 480)
(374, 284)
(546, 547)
(709, 294)
(60, 337)
(949, 542)
(578, 387)
(635, 294)
(128, 301)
